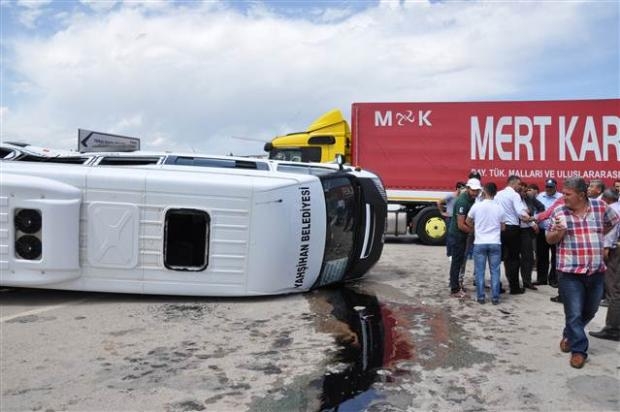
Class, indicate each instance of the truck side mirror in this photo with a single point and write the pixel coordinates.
(340, 160)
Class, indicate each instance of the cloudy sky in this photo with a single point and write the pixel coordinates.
(200, 75)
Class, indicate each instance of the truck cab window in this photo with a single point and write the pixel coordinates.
(301, 154)
(186, 239)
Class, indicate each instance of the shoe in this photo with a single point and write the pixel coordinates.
(537, 283)
(604, 303)
(606, 334)
(459, 294)
(495, 301)
(556, 299)
(519, 291)
(577, 360)
(502, 290)
(565, 345)
(481, 301)
(553, 284)
(531, 287)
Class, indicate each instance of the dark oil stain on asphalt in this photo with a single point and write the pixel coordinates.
(31, 319)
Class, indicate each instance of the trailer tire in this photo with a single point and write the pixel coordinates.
(431, 227)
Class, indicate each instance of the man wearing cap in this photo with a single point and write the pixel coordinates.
(459, 230)
(546, 273)
(515, 211)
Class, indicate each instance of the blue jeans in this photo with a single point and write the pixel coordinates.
(493, 254)
(581, 296)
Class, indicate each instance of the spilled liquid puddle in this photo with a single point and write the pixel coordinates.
(361, 353)
(383, 342)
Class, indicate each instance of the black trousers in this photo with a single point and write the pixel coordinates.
(545, 272)
(459, 246)
(612, 287)
(511, 246)
(527, 254)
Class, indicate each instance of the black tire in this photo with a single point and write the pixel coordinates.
(431, 227)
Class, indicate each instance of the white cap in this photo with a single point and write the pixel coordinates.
(474, 184)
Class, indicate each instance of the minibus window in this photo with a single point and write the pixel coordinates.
(186, 239)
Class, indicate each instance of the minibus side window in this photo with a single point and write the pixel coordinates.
(186, 239)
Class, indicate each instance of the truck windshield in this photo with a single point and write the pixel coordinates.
(300, 154)
(342, 220)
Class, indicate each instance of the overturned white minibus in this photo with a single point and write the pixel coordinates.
(186, 230)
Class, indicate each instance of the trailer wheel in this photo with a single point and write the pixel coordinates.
(431, 227)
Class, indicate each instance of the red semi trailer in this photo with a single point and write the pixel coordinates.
(420, 150)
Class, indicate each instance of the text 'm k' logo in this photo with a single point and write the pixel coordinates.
(407, 117)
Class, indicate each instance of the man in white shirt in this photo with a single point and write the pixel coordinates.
(487, 217)
(514, 210)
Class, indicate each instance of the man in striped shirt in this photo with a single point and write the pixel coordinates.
(578, 229)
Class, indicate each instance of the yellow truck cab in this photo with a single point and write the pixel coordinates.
(326, 137)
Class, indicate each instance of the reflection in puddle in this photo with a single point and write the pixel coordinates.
(383, 345)
(370, 341)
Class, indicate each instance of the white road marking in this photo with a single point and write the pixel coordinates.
(40, 310)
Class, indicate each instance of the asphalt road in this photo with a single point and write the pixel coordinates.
(395, 341)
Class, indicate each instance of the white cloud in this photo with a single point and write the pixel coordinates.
(191, 77)
(33, 4)
(100, 5)
(30, 11)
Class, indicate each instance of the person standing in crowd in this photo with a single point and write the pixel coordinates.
(617, 186)
(528, 230)
(532, 198)
(540, 218)
(446, 206)
(545, 273)
(578, 230)
(611, 330)
(514, 211)
(487, 218)
(596, 189)
(459, 231)
(469, 247)
(610, 197)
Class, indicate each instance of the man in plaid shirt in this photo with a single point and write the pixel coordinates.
(578, 229)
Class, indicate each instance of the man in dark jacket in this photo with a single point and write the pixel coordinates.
(459, 230)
